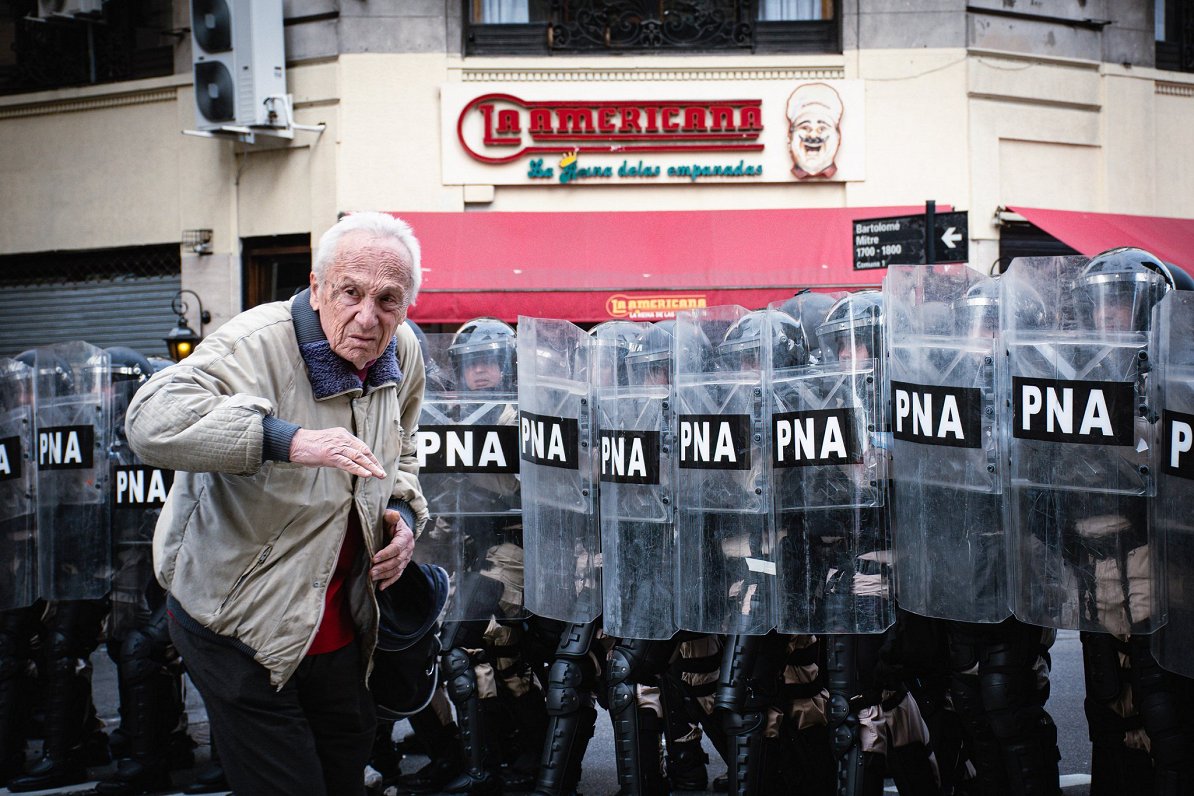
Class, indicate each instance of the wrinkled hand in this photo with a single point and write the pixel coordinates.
(334, 447)
(391, 560)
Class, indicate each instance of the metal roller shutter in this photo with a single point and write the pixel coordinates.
(1022, 239)
(111, 297)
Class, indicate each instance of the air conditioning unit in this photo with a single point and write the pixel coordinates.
(69, 8)
(239, 61)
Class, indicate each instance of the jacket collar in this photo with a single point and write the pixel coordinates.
(330, 374)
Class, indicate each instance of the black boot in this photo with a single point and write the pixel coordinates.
(529, 715)
(211, 779)
(15, 688)
(150, 707)
(386, 759)
(686, 765)
(638, 733)
(446, 763)
(481, 762)
(132, 777)
(52, 771)
(435, 775)
(62, 760)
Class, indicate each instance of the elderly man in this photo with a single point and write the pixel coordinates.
(292, 430)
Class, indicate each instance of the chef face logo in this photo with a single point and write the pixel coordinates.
(814, 133)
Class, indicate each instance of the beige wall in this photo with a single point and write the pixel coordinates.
(107, 166)
(76, 164)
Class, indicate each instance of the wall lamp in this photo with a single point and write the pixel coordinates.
(182, 339)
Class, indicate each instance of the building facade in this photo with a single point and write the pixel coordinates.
(653, 155)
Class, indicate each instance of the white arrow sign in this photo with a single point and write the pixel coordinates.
(951, 237)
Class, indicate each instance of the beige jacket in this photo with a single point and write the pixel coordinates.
(247, 547)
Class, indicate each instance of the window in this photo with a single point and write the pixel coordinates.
(1175, 34)
(794, 10)
(125, 40)
(649, 26)
(275, 267)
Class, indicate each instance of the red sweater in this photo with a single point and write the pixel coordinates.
(336, 631)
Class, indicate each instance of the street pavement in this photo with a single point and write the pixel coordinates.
(599, 777)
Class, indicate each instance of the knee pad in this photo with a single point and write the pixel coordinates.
(843, 726)
(564, 686)
(141, 656)
(60, 653)
(462, 680)
(622, 695)
(621, 666)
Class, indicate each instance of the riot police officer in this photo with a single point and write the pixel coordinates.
(1174, 509)
(18, 552)
(559, 368)
(1153, 743)
(949, 533)
(770, 693)
(434, 729)
(74, 552)
(152, 716)
(486, 673)
(875, 721)
(659, 681)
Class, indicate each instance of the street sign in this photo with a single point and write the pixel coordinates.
(900, 240)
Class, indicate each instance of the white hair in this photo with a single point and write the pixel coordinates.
(383, 225)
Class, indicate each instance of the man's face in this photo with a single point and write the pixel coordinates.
(852, 349)
(364, 295)
(482, 373)
(657, 374)
(1114, 315)
(813, 139)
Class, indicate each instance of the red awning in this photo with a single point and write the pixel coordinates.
(1170, 239)
(589, 267)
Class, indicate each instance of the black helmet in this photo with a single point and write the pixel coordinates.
(976, 313)
(741, 344)
(693, 351)
(1181, 279)
(52, 373)
(129, 364)
(652, 362)
(160, 363)
(810, 310)
(406, 662)
(613, 342)
(1121, 286)
(856, 319)
(16, 383)
(485, 339)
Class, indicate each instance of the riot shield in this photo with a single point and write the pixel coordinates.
(829, 498)
(73, 521)
(635, 444)
(946, 514)
(1080, 457)
(467, 446)
(1173, 508)
(137, 493)
(724, 564)
(560, 530)
(18, 485)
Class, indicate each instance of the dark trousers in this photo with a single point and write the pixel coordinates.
(311, 738)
